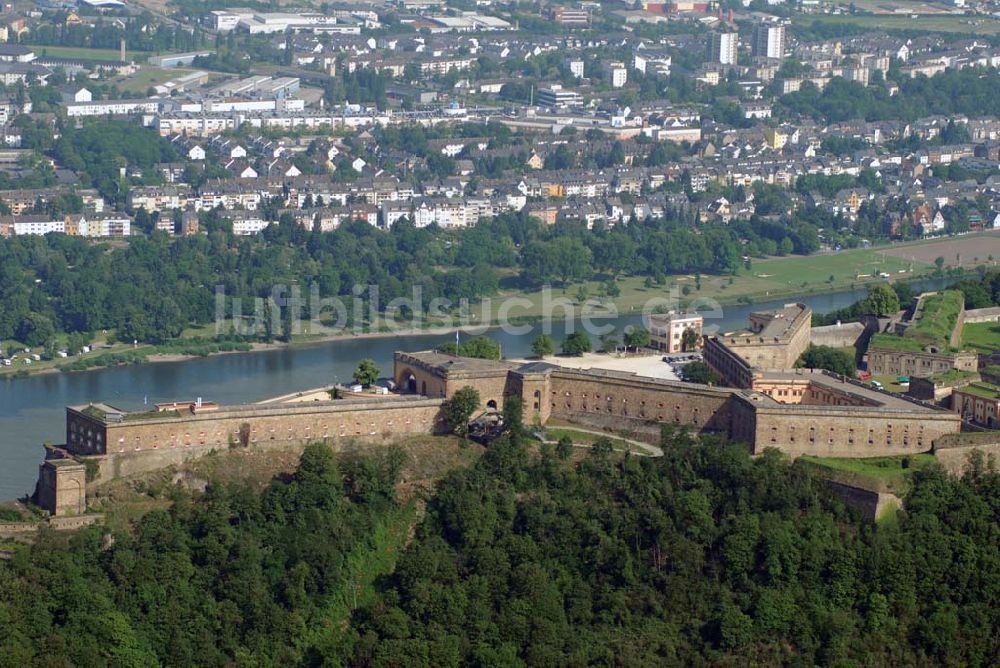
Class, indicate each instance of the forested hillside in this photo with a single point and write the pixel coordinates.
(702, 556)
(232, 578)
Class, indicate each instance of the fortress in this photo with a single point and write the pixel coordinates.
(768, 404)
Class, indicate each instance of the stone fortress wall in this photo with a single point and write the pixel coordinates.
(934, 358)
(250, 425)
(794, 410)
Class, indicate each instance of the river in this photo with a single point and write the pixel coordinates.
(32, 408)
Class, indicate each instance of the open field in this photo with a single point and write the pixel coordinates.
(900, 7)
(966, 250)
(89, 54)
(779, 277)
(930, 23)
(774, 278)
(983, 337)
(858, 264)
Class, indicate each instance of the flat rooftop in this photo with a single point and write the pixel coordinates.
(777, 324)
(452, 363)
(818, 376)
(782, 321)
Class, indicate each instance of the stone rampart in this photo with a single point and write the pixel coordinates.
(257, 424)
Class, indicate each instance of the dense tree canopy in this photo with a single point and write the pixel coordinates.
(152, 288)
(955, 92)
(235, 577)
(831, 359)
(704, 555)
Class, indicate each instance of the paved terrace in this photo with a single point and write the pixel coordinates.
(253, 410)
(783, 321)
(451, 364)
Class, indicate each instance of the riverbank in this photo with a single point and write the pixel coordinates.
(633, 302)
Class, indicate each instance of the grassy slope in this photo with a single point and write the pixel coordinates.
(886, 470)
(982, 337)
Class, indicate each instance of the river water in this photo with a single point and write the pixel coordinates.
(32, 408)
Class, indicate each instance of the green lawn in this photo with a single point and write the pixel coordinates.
(937, 318)
(982, 389)
(584, 438)
(982, 337)
(90, 54)
(933, 23)
(887, 470)
(848, 265)
(890, 384)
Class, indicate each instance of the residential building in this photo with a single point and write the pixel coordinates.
(616, 73)
(112, 107)
(575, 66)
(722, 47)
(769, 40)
(569, 16)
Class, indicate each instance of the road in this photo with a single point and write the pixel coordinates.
(642, 449)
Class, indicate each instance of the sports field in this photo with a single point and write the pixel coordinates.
(858, 264)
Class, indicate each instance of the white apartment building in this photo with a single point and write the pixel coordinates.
(112, 107)
(37, 225)
(557, 96)
(194, 126)
(722, 47)
(617, 74)
(104, 226)
(445, 213)
(248, 224)
(769, 40)
(158, 198)
(666, 331)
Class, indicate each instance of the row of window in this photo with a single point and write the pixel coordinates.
(609, 398)
(641, 413)
(852, 435)
(271, 435)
